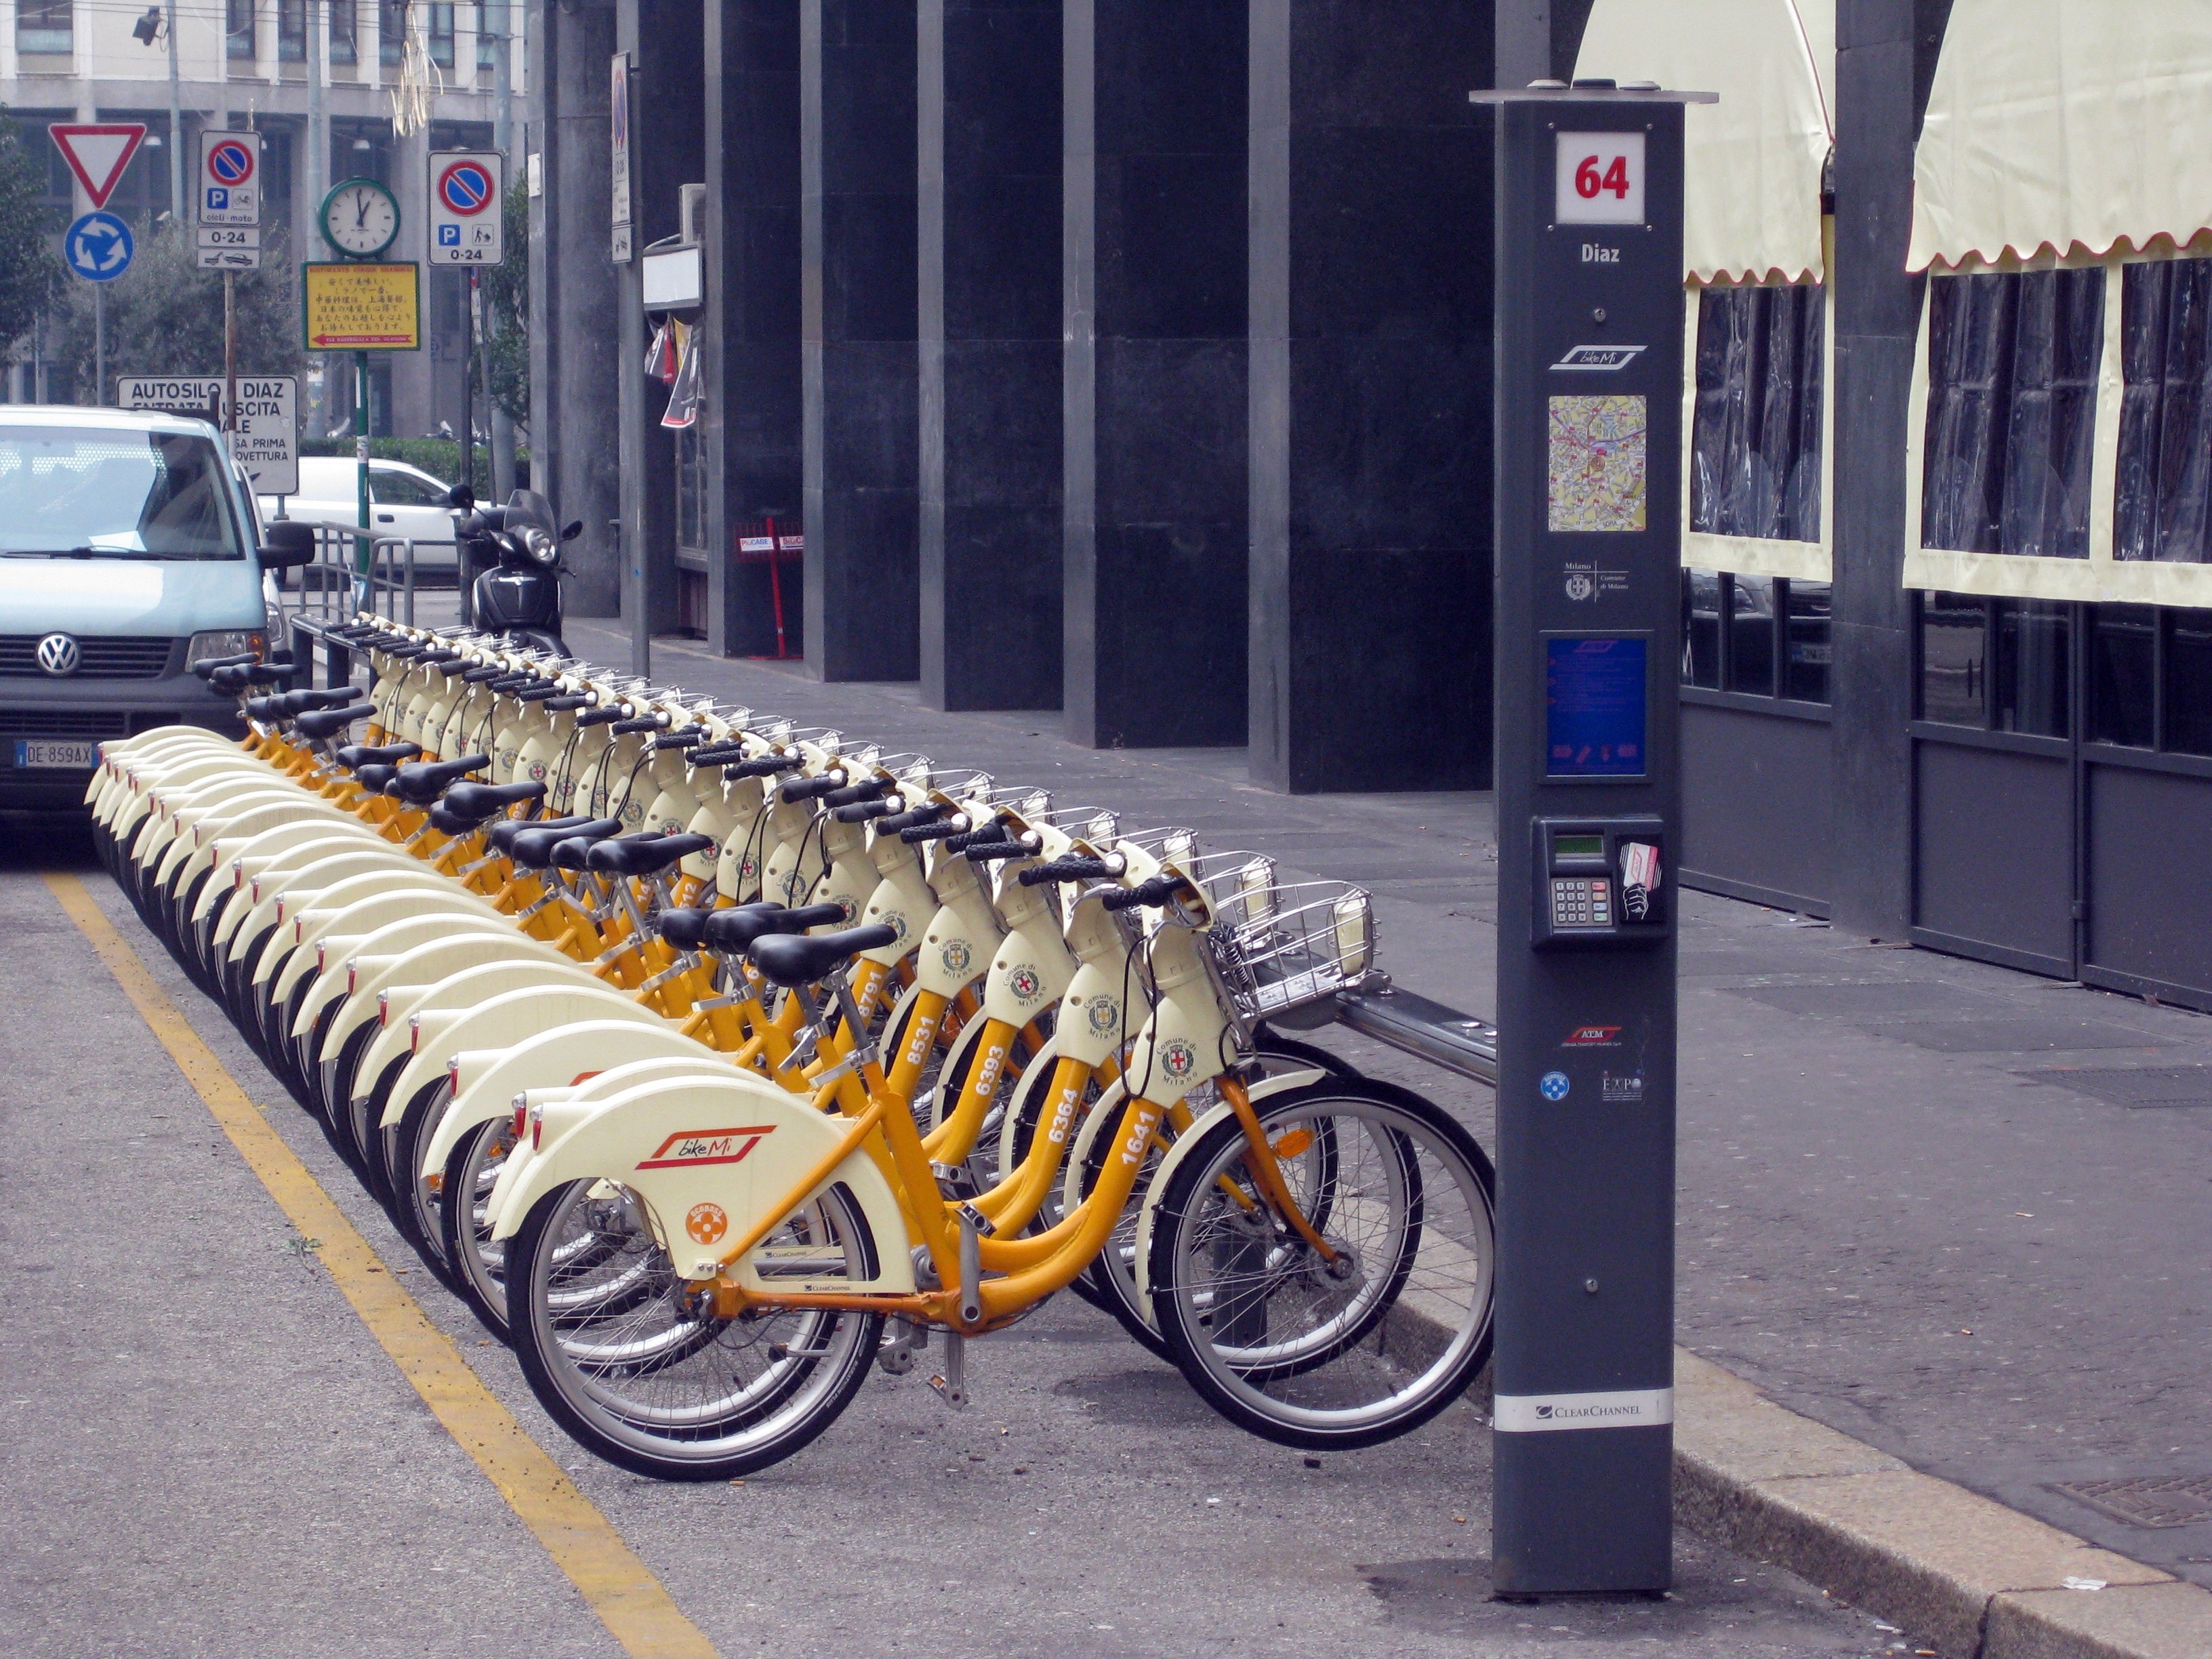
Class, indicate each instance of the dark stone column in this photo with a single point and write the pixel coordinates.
(1370, 203)
(666, 91)
(857, 199)
(1154, 524)
(752, 353)
(1877, 318)
(573, 402)
(990, 350)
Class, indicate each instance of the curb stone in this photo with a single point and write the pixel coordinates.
(1980, 1580)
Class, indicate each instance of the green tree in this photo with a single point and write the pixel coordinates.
(165, 315)
(507, 312)
(31, 274)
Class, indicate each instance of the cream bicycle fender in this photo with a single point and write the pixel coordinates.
(438, 957)
(265, 879)
(300, 914)
(282, 895)
(242, 831)
(486, 1080)
(398, 896)
(512, 1017)
(237, 860)
(1189, 1139)
(705, 1155)
(337, 950)
(414, 1006)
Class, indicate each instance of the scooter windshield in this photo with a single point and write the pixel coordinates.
(526, 507)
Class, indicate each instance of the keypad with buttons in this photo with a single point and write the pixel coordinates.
(1582, 902)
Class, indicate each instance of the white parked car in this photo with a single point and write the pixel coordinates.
(404, 500)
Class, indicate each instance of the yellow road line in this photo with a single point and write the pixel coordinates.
(621, 1588)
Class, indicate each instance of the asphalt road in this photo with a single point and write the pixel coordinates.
(205, 1452)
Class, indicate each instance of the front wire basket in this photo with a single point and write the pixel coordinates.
(1284, 947)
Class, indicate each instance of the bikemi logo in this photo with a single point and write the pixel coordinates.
(1598, 359)
(695, 1148)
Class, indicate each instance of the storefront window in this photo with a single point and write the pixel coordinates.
(1755, 442)
(1810, 651)
(1750, 634)
(1701, 629)
(2012, 393)
(2189, 684)
(2162, 492)
(2123, 668)
(2033, 636)
(1954, 659)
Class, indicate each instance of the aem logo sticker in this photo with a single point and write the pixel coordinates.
(690, 1147)
(1593, 1037)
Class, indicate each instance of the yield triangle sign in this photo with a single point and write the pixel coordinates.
(97, 153)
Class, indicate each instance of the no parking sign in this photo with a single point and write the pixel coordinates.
(466, 223)
(230, 177)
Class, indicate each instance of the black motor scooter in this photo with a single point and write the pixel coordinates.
(514, 557)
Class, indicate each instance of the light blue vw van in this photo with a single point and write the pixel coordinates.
(129, 549)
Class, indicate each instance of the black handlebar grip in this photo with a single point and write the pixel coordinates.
(490, 671)
(766, 766)
(686, 738)
(955, 825)
(538, 693)
(861, 811)
(641, 723)
(1071, 868)
(600, 716)
(990, 852)
(569, 700)
(929, 812)
(989, 830)
(852, 794)
(717, 753)
(1156, 891)
(807, 788)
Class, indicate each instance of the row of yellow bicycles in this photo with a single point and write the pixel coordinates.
(717, 1059)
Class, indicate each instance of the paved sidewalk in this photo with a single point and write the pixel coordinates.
(1962, 1214)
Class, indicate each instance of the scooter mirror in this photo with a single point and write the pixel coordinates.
(576, 528)
(461, 498)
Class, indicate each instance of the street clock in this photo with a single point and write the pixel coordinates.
(360, 218)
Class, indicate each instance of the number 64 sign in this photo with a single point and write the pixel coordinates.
(1600, 178)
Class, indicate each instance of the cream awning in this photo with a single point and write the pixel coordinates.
(1751, 189)
(2071, 126)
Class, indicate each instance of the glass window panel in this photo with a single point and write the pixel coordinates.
(2012, 386)
(441, 34)
(2031, 677)
(45, 26)
(343, 49)
(292, 31)
(2162, 491)
(1750, 634)
(1701, 629)
(391, 30)
(2123, 661)
(1755, 436)
(2188, 682)
(1955, 656)
(1805, 673)
(238, 28)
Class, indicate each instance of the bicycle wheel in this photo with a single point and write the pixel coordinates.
(1302, 1350)
(661, 1386)
(476, 1261)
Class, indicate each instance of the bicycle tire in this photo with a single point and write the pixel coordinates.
(1272, 1336)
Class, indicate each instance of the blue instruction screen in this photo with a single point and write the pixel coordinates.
(1594, 691)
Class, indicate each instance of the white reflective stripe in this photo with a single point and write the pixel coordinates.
(1536, 1413)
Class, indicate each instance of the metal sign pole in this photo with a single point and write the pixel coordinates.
(99, 342)
(1587, 419)
(230, 361)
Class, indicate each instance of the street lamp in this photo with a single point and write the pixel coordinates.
(148, 29)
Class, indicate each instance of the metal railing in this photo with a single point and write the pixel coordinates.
(331, 591)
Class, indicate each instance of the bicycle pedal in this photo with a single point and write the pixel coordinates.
(780, 1350)
(896, 1355)
(952, 1386)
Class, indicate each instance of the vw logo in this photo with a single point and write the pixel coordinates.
(59, 656)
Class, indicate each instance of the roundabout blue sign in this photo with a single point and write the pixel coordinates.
(98, 247)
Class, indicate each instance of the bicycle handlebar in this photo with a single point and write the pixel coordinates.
(641, 723)
(686, 738)
(1075, 868)
(955, 825)
(1156, 892)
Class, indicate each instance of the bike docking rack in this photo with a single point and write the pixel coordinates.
(720, 1060)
